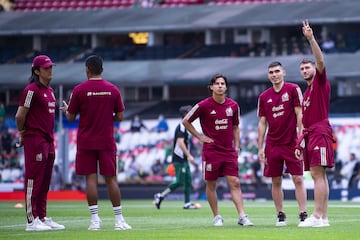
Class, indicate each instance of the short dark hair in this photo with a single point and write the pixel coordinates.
(275, 64)
(94, 64)
(214, 78)
(307, 60)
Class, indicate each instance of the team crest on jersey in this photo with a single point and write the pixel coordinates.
(229, 112)
(39, 157)
(208, 167)
(285, 97)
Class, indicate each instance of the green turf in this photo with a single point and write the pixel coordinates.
(172, 222)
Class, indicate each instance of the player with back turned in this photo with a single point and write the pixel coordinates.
(99, 104)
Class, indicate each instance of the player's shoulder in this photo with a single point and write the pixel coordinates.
(231, 101)
(266, 92)
(32, 87)
(290, 85)
(205, 102)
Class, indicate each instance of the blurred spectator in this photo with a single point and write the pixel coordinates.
(137, 125)
(78, 182)
(340, 43)
(338, 182)
(2, 113)
(347, 170)
(57, 181)
(133, 170)
(6, 142)
(328, 45)
(121, 176)
(162, 125)
(157, 171)
(197, 178)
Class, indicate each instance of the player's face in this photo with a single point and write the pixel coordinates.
(45, 73)
(307, 71)
(219, 86)
(276, 74)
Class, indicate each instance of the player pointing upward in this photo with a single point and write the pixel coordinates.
(318, 152)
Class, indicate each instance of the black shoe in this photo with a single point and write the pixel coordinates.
(281, 221)
(158, 199)
(303, 216)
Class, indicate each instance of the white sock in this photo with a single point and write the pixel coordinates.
(94, 211)
(118, 213)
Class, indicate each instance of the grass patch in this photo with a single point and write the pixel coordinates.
(172, 222)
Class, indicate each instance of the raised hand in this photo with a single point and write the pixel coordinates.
(307, 30)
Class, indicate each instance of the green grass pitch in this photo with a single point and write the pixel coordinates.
(172, 222)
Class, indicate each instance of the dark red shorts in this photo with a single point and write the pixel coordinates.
(281, 159)
(218, 164)
(87, 162)
(318, 151)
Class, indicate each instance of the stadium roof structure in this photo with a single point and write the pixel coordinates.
(185, 71)
(188, 18)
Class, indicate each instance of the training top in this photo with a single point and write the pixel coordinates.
(217, 121)
(278, 109)
(41, 102)
(316, 102)
(96, 101)
(178, 155)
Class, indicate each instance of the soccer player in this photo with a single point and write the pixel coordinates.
(180, 158)
(35, 120)
(99, 104)
(219, 120)
(317, 149)
(280, 115)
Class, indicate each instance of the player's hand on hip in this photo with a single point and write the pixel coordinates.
(206, 139)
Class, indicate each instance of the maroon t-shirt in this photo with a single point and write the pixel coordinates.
(217, 121)
(96, 101)
(316, 102)
(278, 109)
(41, 102)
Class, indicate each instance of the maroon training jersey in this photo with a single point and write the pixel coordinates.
(278, 109)
(316, 100)
(96, 101)
(217, 121)
(41, 102)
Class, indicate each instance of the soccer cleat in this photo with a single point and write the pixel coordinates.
(326, 222)
(158, 199)
(281, 219)
(303, 216)
(37, 225)
(122, 225)
(190, 206)
(95, 225)
(54, 225)
(312, 221)
(218, 221)
(245, 221)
